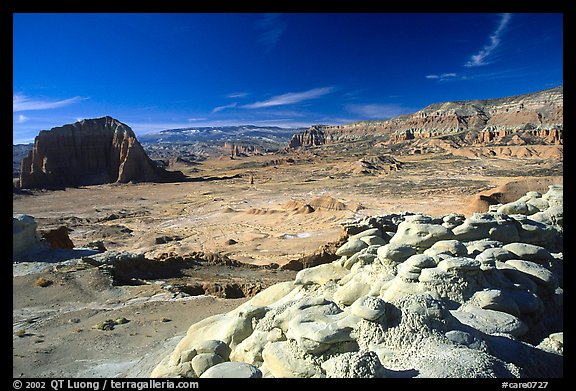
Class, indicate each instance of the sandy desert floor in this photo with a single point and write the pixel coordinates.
(257, 210)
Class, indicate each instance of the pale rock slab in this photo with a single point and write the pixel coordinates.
(420, 231)
(396, 252)
(476, 247)
(250, 349)
(25, 237)
(495, 299)
(539, 203)
(529, 252)
(451, 247)
(201, 362)
(317, 326)
(283, 360)
(490, 321)
(488, 257)
(518, 207)
(320, 274)
(273, 294)
(554, 195)
(458, 264)
(362, 258)
(351, 247)
(373, 240)
(369, 307)
(452, 220)
(553, 343)
(213, 346)
(539, 273)
(398, 288)
(368, 232)
(493, 226)
(235, 370)
(359, 285)
(533, 232)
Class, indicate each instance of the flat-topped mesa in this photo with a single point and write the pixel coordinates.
(537, 117)
(90, 152)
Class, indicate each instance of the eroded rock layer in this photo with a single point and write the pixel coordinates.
(410, 295)
(88, 152)
(535, 118)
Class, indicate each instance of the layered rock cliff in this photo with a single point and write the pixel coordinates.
(537, 118)
(88, 152)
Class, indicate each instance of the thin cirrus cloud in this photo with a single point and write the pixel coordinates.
(22, 102)
(220, 108)
(290, 98)
(443, 76)
(479, 58)
(21, 119)
(271, 29)
(237, 95)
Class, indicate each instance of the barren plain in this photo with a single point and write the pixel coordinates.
(259, 210)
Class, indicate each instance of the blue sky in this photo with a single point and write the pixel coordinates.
(160, 71)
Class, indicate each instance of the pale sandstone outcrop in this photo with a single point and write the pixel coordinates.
(25, 237)
(483, 298)
(232, 370)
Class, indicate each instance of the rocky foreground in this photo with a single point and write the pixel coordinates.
(410, 296)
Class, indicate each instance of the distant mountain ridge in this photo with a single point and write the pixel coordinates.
(221, 133)
(535, 118)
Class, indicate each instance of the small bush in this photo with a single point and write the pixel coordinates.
(43, 282)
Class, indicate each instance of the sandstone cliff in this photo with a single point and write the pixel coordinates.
(535, 118)
(88, 152)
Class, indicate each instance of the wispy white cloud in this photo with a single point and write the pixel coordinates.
(237, 95)
(511, 73)
(290, 98)
(21, 119)
(195, 119)
(378, 110)
(479, 58)
(22, 102)
(271, 29)
(443, 76)
(220, 108)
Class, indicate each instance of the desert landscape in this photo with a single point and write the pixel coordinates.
(123, 253)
